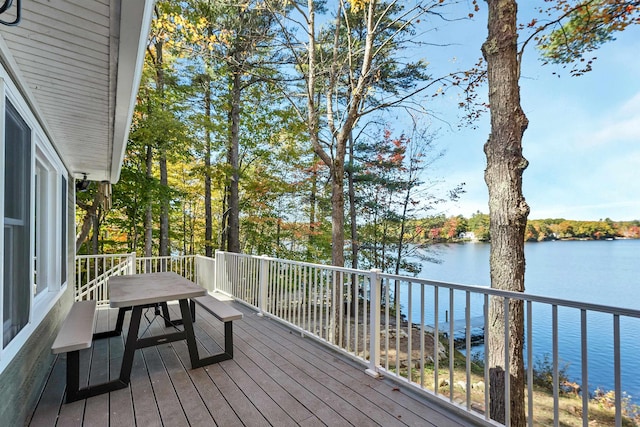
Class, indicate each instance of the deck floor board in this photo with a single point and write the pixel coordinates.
(276, 378)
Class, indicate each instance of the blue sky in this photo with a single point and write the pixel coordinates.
(583, 140)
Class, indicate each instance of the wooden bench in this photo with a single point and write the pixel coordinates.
(75, 334)
(223, 312)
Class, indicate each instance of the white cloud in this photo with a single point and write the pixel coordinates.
(621, 125)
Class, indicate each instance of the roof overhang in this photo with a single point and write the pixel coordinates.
(78, 64)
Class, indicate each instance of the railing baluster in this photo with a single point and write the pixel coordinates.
(422, 335)
(529, 363)
(507, 363)
(585, 368)
(486, 357)
(467, 316)
(374, 346)
(409, 333)
(451, 343)
(303, 296)
(336, 311)
(556, 385)
(617, 369)
(317, 320)
(346, 309)
(436, 342)
(397, 307)
(387, 320)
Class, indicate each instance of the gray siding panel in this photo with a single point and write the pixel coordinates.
(21, 383)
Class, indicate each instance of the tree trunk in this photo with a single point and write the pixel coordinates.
(337, 213)
(403, 220)
(162, 145)
(508, 210)
(354, 228)
(89, 218)
(352, 208)
(95, 235)
(148, 218)
(233, 219)
(312, 209)
(208, 229)
(164, 206)
(184, 231)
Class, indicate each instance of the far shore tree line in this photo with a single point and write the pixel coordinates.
(458, 228)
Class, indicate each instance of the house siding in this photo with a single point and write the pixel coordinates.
(22, 381)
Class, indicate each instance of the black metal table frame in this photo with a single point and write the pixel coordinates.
(133, 342)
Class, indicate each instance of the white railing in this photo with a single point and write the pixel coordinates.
(304, 295)
(205, 272)
(405, 328)
(389, 323)
(93, 272)
(182, 264)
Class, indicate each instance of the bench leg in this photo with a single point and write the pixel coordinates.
(74, 392)
(228, 339)
(196, 361)
(73, 375)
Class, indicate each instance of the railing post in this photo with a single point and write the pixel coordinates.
(220, 283)
(374, 317)
(263, 277)
(197, 260)
(132, 261)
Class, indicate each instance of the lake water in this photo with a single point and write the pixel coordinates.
(600, 272)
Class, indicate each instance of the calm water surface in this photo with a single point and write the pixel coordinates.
(600, 272)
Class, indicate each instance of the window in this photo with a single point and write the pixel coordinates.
(33, 210)
(45, 177)
(63, 237)
(17, 234)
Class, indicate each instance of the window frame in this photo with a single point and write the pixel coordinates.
(42, 151)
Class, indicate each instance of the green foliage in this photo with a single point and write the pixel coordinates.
(388, 174)
(285, 193)
(581, 27)
(606, 400)
(543, 373)
(439, 228)
(479, 225)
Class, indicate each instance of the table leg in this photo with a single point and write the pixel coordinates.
(118, 330)
(131, 344)
(187, 323)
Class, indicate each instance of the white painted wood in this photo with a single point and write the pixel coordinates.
(76, 332)
(81, 62)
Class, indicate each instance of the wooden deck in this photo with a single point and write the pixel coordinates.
(276, 378)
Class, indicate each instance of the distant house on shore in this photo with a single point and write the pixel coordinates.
(468, 235)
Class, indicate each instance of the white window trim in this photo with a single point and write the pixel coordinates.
(41, 304)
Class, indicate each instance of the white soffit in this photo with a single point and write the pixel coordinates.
(81, 61)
